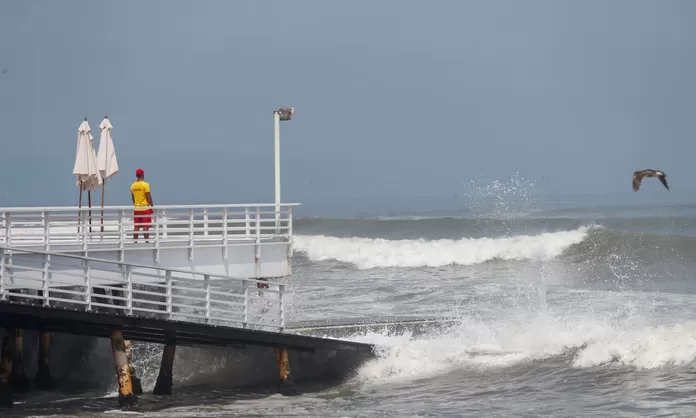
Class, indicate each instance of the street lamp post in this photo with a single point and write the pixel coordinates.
(282, 114)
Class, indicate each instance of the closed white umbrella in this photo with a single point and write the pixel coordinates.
(85, 168)
(106, 158)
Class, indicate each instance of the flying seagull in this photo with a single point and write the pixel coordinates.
(639, 175)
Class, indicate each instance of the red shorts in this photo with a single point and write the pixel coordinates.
(139, 217)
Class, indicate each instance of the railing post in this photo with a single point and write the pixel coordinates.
(45, 215)
(45, 277)
(47, 230)
(2, 273)
(247, 222)
(8, 229)
(257, 250)
(289, 253)
(289, 223)
(245, 284)
(224, 234)
(206, 282)
(157, 235)
(169, 293)
(84, 235)
(129, 277)
(164, 226)
(278, 212)
(121, 234)
(205, 222)
(190, 244)
(88, 283)
(101, 229)
(281, 301)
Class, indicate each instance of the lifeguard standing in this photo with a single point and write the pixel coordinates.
(142, 202)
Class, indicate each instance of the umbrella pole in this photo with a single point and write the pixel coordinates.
(102, 206)
(89, 202)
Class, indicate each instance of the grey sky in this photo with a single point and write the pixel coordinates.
(397, 98)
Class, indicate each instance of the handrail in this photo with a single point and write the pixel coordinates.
(168, 227)
(123, 264)
(139, 290)
(130, 207)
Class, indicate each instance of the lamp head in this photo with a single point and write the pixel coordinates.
(286, 113)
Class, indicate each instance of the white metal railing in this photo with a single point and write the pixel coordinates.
(173, 226)
(141, 290)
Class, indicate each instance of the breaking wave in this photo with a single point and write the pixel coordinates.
(646, 246)
(366, 253)
(582, 342)
(583, 244)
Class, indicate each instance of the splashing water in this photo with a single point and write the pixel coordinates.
(625, 336)
(503, 199)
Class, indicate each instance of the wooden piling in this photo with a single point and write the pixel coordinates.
(166, 375)
(43, 379)
(20, 381)
(127, 400)
(7, 352)
(286, 386)
(137, 386)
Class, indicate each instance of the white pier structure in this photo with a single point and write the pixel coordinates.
(249, 241)
(139, 290)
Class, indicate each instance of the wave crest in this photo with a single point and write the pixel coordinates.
(367, 253)
(584, 342)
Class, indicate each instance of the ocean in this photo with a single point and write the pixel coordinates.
(572, 307)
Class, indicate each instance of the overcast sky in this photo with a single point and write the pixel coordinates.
(394, 98)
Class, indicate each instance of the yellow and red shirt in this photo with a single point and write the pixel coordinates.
(140, 188)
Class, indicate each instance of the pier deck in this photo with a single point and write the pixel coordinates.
(248, 240)
(148, 303)
(161, 331)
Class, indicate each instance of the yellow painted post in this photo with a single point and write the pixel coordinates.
(135, 381)
(285, 386)
(166, 375)
(43, 379)
(137, 387)
(7, 352)
(127, 400)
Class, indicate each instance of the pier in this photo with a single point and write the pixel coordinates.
(213, 275)
(248, 240)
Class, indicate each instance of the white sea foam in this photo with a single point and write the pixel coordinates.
(473, 343)
(644, 348)
(478, 345)
(366, 253)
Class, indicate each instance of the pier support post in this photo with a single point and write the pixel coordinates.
(166, 375)
(20, 382)
(7, 352)
(286, 386)
(43, 379)
(127, 400)
(18, 379)
(137, 386)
